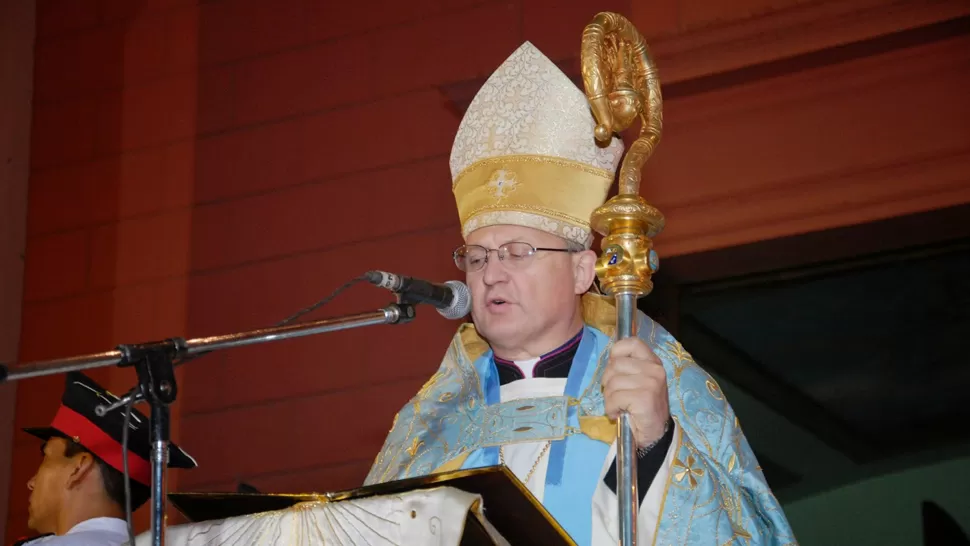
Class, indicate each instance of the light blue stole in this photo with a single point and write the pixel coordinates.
(575, 461)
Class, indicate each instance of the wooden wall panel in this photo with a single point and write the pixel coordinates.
(17, 33)
(108, 222)
(848, 143)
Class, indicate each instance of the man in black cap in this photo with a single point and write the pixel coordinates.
(78, 493)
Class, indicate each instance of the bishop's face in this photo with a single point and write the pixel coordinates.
(526, 306)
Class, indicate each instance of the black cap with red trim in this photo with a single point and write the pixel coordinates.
(76, 420)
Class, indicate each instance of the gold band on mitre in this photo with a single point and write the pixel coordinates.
(526, 154)
(549, 193)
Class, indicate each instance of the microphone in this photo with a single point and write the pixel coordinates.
(452, 299)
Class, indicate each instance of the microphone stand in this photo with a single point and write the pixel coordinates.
(154, 363)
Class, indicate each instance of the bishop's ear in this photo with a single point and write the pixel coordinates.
(584, 270)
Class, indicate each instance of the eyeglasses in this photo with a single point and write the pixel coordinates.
(471, 258)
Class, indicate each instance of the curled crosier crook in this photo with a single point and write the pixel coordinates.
(622, 84)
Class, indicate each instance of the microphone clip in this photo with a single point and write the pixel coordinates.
(405, 310)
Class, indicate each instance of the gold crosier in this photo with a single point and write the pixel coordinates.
(621, 85)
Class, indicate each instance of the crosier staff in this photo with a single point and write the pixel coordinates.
(621, 85)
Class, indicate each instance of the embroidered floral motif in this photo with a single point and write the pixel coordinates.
(688, 469)
(501, 184)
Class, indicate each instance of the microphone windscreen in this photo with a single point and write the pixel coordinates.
(461, 304)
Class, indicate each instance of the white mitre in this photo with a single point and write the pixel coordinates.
(525, 152)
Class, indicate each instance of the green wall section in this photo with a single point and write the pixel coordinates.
(885, 510)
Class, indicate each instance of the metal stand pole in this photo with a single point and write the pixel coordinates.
(160, 439)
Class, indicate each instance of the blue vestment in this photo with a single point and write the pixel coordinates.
(715, 493)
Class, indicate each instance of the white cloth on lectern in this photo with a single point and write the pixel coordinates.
(432, 516)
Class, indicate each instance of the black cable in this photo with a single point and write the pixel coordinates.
(290, 318)
(320, 303)
(124, 457)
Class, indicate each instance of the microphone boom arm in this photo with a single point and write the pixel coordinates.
(397, 313)
(154, 364)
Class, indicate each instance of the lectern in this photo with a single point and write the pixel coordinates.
(479, 507)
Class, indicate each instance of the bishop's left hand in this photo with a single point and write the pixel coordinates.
(635, 381)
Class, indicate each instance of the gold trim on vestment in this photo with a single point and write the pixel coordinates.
(678, 439)
(453, 464)
(598, 427)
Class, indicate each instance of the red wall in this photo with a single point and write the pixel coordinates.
(16, 86)
(202, 169)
